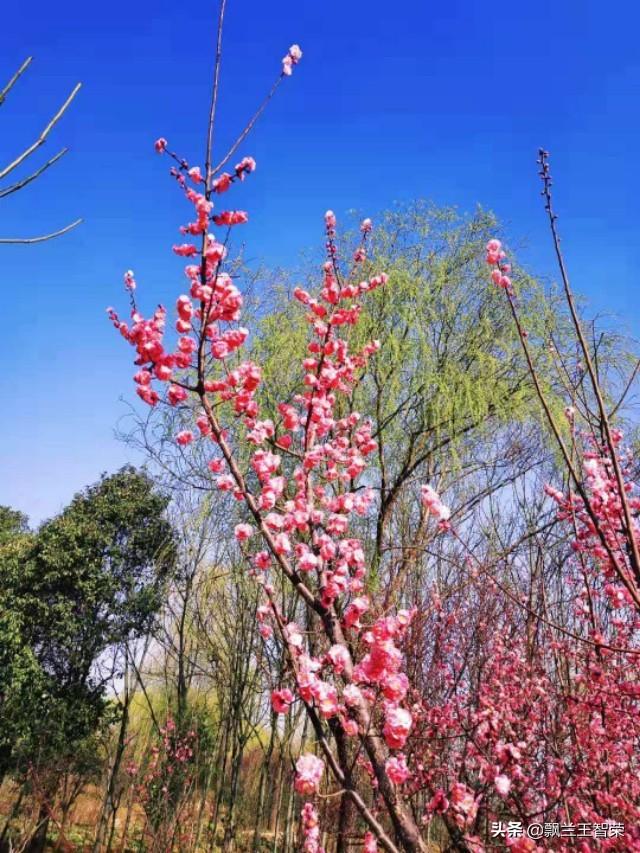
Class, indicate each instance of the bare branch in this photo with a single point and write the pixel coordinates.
(214, 95)
(249, 127)
(43, 136)
(15, 79)
(23, 183)
(627, 388)
(6, 240)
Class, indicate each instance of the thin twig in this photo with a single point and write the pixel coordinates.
(15, 79)
(214, 97)
(249, 127)
(514, 598)
(23, 183)
(7, 240)
(546, 191)
(43, 136)
(623, 396)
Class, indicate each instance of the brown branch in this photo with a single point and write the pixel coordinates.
(43, 136)
(214, 97)
(631, 588)
(514, 598)
(43, 238)
(249, 127)
(633, 544)
(341, 774)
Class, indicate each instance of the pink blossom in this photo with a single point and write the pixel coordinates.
(184, 437)
(339, 657)
(439, 802)
(245, 167)
(160, 145)
(282, 543)
(281, 700)
(395, 686)
(292, 58)
(293, 635)
(225, 483)
(220, 349)
(494, 252)
(350, 727)
(307, 561)
(503, 784)
(397, 726)
(326, 698)
(352, 695)
(355, 611)
(370, 843)
(463, 801)
(397, 769)
(309, 770)
(266, 631)
(231, 217)
(262, 560)
(186, 250)
(310, 829)
(242, 532)
(221, 184)
(432, 503)
(175, 395)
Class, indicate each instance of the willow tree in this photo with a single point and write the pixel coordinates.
(450, 395)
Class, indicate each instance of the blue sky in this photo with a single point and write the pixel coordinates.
(392, 101)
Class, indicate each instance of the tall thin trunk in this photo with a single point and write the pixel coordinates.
(278, 805)
(109, 806)
(127, 821)
(290, 822)
(220, 781)
(262, 785)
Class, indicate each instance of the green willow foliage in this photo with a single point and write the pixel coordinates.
(450, 355)
(450, 371)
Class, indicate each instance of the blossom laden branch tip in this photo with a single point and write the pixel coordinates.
(293, 57)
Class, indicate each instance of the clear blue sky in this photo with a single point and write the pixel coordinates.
(445, 100)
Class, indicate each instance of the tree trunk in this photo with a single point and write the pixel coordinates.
(262, 785)
(109, 805)
(38, 840)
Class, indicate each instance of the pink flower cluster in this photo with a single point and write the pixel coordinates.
(173, 753)
(496, 258)
(431, 501)
(495, 742)
(293, 57)
(309, 770)
(310, 829)
(302, 484)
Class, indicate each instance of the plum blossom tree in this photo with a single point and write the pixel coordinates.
(302, 519)
(528, 730)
